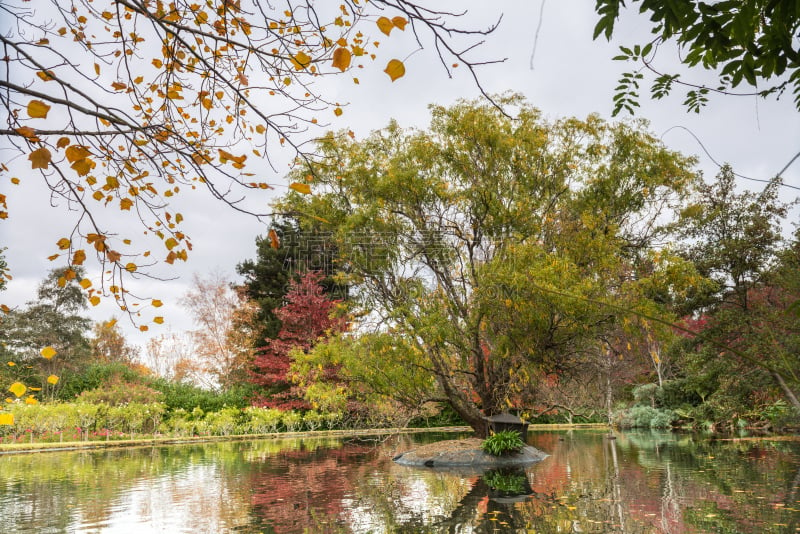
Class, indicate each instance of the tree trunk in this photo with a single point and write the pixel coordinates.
(790, 396)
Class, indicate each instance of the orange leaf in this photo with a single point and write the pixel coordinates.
(274, 240)
(63, 243)
(76, 153)
(37, 109)
(158, 320)
(399, 23)
(130, 267)
(95, 300)
(385, 25)
(27, 132)
(337, 111)
(301, 188)
(79, 257)
(86, 283)
(62, 142)
(156, 303)
(395, 69)
(39, 158)
(301, 60)
(341, 59)
(125, 204)
(83, 166)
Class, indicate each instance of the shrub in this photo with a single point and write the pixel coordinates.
(292, 420)
(263, 420)
(644, 417)
(502, 443)
(224, 422)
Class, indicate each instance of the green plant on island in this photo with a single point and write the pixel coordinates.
(503, 443)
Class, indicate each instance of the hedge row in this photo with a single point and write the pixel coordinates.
(85, 421)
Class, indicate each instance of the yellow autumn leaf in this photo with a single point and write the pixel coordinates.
(337, 111)
(158, 320)
(27, 132)
(37, 109)
(125, 204)
(6, 418)
(94, 300)
(52, 379)
(45, 75)
(76, 153)
(341, 58)
(86, 283)
(171, 243)
(395, 69)
(399, 23)
(63, 243)
(78, 257)
(18, 389)
(130, 267)
(385, 25)
(83, 166)
(48, 352)
(301, 60)
(39, 158)
(301, 188)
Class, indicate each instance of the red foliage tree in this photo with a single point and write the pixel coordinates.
(306, 316)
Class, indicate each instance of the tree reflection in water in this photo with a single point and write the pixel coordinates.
(637, 483)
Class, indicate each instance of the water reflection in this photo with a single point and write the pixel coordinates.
(637, 483)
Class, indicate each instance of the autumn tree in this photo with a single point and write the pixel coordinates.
(221, 345)
(120, 105)
(484, 243)
(285, 253)
(307, 316)
(109, 345)
(167, 355)
(750, 41)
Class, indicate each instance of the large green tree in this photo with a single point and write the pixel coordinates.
(735, 239)
(55, 319)
(483, 243)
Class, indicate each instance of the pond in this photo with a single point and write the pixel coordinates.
(642, 482)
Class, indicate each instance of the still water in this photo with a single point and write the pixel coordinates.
(638, 483)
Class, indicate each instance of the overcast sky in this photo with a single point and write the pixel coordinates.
(569, 75)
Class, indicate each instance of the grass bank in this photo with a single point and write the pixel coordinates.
(17, 448)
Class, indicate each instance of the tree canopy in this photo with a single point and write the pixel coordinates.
(122, 104)
(751, 41)
(459, 240)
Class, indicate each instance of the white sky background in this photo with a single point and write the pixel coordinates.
(572, 75)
